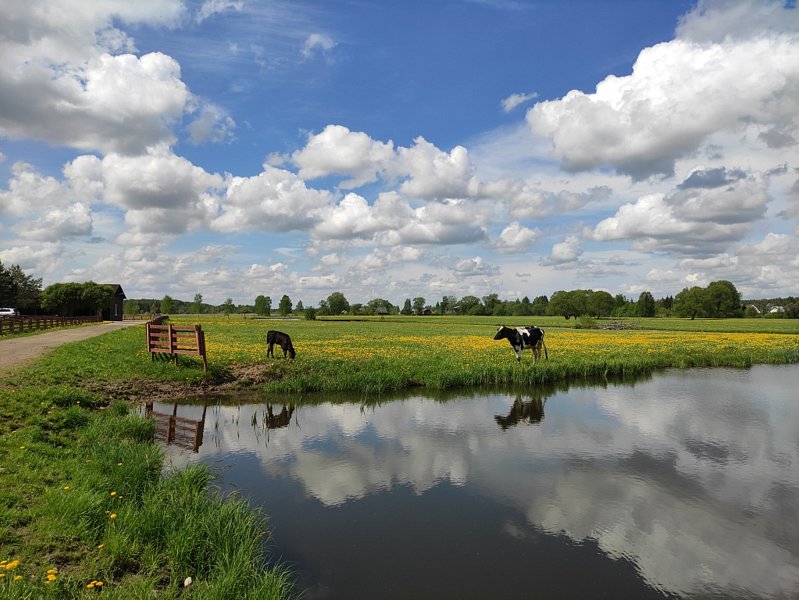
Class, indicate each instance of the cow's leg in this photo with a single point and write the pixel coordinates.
(270, 350)
(518, 350)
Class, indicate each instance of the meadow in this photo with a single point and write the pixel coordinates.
(376, 355)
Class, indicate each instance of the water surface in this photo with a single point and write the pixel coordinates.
(684, 485)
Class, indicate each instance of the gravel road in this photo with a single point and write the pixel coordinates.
(19, 351)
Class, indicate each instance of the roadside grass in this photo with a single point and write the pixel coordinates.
(84, 508)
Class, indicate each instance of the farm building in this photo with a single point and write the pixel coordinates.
(114, 311)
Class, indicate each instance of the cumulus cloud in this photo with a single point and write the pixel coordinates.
(678, 95)
(274, 200)
(433, 173)
(566, 251)
(58, 223)
(337, 150)
(475, 267)
(705, 213)
(516, 238)
(72, 78)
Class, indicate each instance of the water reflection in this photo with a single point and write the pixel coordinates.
(684, 484)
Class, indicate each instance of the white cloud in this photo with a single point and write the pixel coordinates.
(567, 251)
(436, 174)
(210, 8)
(516, 238)
(337, 150)
(58, 223)
(317, 43)
(678, 94)
(274, 200)
(213, 124)
(515, 100)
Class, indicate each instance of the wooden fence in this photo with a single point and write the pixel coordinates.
(174, 340)
(32, 323)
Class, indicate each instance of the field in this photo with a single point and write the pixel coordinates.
(384, 354)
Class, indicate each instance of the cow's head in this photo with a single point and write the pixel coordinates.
(502, 333)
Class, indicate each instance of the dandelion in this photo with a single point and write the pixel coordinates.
(17, 577)
(113, 493)
(113, 515)
(8, 566)
(119, 464)
(101, 546)
(66, 488)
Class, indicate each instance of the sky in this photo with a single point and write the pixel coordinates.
(392, 150)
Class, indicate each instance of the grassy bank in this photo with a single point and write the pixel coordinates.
(376, 355)
(84, 509)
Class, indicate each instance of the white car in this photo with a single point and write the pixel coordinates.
(8, 312)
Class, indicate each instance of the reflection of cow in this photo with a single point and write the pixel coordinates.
(281, 339)
(522, 338)
(282, 419)
(530, 411)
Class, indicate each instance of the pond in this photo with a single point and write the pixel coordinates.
(682, 485)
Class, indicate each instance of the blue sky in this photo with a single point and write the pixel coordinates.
(395, 150)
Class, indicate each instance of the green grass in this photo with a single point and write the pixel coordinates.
(82, 496)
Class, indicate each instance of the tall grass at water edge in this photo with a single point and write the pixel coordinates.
(84, 509)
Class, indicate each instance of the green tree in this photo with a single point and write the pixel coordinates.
(337, 303)
(470, 305)
(690, 302)
(197, 305)
(228, 307)
(27, 290)
(539, 306)
(285, 305)
(406, 308)
(167, 305)
(310, 313)
(418, 305)
(263, 305)
(723, 300)
(601, 304)
(76, 299)
(646, 305)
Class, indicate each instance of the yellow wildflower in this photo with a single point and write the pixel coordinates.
(113, 515)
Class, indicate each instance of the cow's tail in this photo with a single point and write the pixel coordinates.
(544, 344)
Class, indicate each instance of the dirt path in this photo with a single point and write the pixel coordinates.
(19, 351)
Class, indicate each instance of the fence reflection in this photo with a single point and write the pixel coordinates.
(174, 430)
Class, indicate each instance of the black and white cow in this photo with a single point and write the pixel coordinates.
(522, 338)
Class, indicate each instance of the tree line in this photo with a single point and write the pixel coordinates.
(719, 299)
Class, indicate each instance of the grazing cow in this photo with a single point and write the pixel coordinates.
(522, 338)
(282, 340)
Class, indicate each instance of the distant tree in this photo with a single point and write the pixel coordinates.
(168, 305)
(228, 307)
(470, 305)
(723, 300)
(380, 306)
(418, 305)
(337, 303)
(27, 288)
(299, 308)
(197, 305)
(539, 305)
(263, 305)
(131, 308)
(646, 305)
(690, 302)
(310, 313)
(285, 305)
(490, 303)
(406, 308)
(601, 304)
